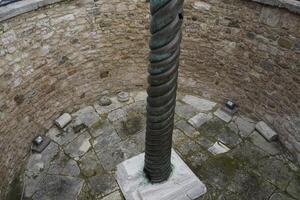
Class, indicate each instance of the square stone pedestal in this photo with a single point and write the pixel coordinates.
(183, 184)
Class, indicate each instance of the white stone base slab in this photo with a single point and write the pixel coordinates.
(183, 184)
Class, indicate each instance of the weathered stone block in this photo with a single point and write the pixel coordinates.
(223, 115)
(199, 103)
(218, 148)
(261, 142)
(202, 6)
(59, 188)
(63, 120)
(266, 131)
(198, 120)
(87, 115)
(245, 125)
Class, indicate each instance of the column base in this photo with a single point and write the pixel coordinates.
(182, 184)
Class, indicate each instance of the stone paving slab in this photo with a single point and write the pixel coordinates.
(79, 146)
(61, 137)
(102, 184)
(82, 165)
(113, 106)
(200, 104)
(218, 148)
(187, 128)
(64, 166)
(245, 125)
(90, 165)
(223, 115)
(58, 188)
(87, 115)
(272, 148)
(266, 131)
(198, 120)
(114, 196)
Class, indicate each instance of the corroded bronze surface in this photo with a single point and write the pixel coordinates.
(163, 72)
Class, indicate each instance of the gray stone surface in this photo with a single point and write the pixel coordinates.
(233, 127)
(113, 196)
(63, 120)
(105, 101)
(185, 111)
(245, 125)
(250, 168)
(187, 128)
(140, 96)
(79, 146)
(294, 187)
(102, 184)
(61, 136)
(39, 162)
(117, 115)
(223, 115)
(106, 139)
(276, 172)
(64, 166)
(32, 182)
(202, 6)
(123, 96)
(200, 104)
(87, 115)
(58, 188)
(89, 164)
(113, 106)
(198, 120)
(272, 148)
(266, 131)
(229, 138)
(218, 148)
(279, 196)
(113, 155)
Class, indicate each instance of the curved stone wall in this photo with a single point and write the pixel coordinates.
(62, 57)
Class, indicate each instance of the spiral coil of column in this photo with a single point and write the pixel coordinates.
(163, 72)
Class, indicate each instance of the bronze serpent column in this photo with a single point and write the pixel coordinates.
(164, 44)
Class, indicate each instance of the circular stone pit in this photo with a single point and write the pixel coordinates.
(232, 159)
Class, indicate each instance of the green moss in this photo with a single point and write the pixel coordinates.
(219, 164)
(212, 128)
(227, 165)
(15, 190)
(133, 123)
(97, 124)
(1, 29)
(104, 116)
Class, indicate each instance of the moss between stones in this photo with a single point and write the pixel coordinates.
(97, 125)
(133, 123)
(212, 128)
(227, 165)
(219, 164)
(15, 190)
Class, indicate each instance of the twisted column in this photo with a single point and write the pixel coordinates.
(163, 72)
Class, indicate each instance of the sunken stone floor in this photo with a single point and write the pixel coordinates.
(225, 152)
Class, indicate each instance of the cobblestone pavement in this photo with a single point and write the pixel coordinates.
(224, 151)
